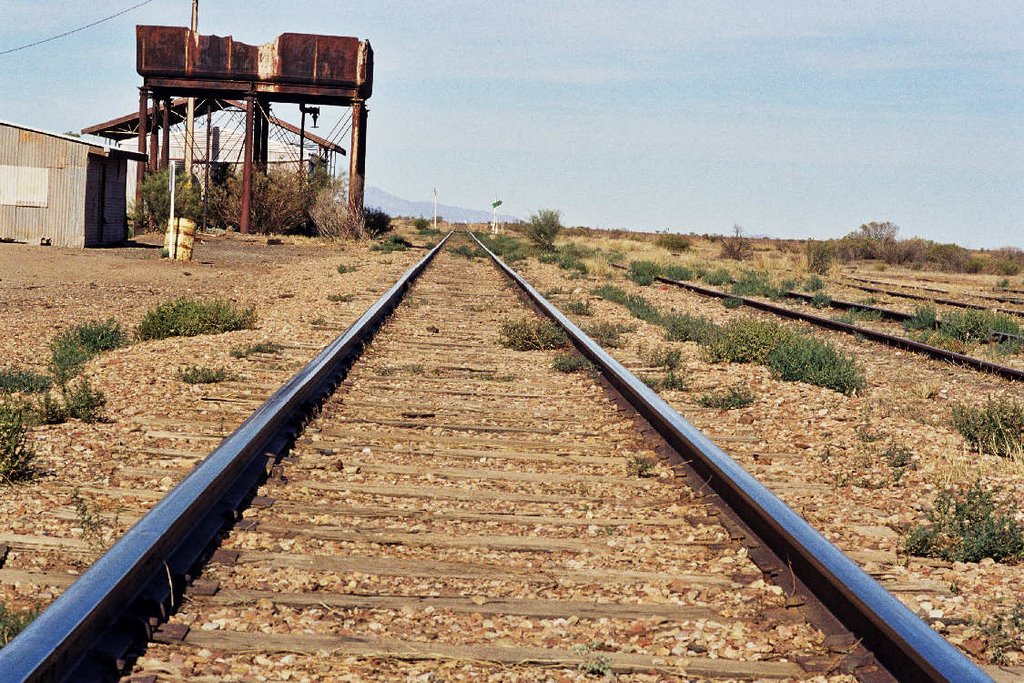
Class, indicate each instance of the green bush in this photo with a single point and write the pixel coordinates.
(577, 307)
(676, 273)
(154, 211)
(377, 221)
(11, 623)
(571, 362)
(976, 325)
(820, 300)
(508, 248)
(532, 334)
(717, 278)
(967, 528)
(76, 346)
(643, 272)
(729, 399)
(732, 302)
(196, 374)
(544, 227)
(814, 284)
(421, 224)
(684, 327)
(746, 340)
(258, 347)
(996, 429)
(191, 317)
(15, 379)
(466, 251)
(673, 242)
(342, 269)
(820, 256)
(634, 303)
(16, 454)
(806, 359)
(755, 283)
(392, 243)
(608, 335)
(82, 402)
(670, 381)
(924, 318)
(661, 356)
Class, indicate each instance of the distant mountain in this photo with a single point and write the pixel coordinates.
(396, 206)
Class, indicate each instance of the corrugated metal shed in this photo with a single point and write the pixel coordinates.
(61, 190)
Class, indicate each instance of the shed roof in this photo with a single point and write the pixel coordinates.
(94, 147)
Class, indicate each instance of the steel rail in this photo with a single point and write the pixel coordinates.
(183, 523)
(882, 337)
(900, 641)
(987, 297)
(933, 299)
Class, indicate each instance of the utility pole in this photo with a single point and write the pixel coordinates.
(190, 114)
(435, 208)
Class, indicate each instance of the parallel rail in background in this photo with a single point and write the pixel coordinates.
(829, 324)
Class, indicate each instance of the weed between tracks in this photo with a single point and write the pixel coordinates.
(571, 362)
(729, 399)
(532, 334)
(996, 429)
(258, 347)
(16, 454)
(13, 623)
(196, 374)
(19, 380)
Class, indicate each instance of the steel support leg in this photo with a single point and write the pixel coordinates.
(140, 171)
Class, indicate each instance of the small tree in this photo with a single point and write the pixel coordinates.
(544, 227)
(736, 246)
(154, 210)
(819, 257)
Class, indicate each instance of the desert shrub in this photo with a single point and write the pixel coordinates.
(16, 454)
(966, 527)
(543, 228)
(924, 318)
(15, 379)
(280, 201)
(789, 285)
(814, 284)
(191, 317)
(392, 243)
(806, 359)
(685, 327)
(569, 259)
(634, 303)
(571, 362)
(676, 272)
(717, 277)
(736, 246)
(732, 302)
(856, 315)
(376, 221)
(154, 211)
(76, 346)
(508, 248)
(12, 623)
(197, 374)
(661, 356)
(608, 335)
(328, 212)
(976, 325)
(342, 269)
(578, 307)
(820, 300)
(746, 340)
(258, 347)
(974, 265)
(996, 428)
(729, 399)
(643, 272)
(820, 256)
(673, 242)
(421, 224)
(755, 283)
(531, 334)
(641, 467)
(82, 402)
(467, 252)
(670, 381)
(899, 459)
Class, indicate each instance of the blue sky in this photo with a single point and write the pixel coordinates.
(794, 119)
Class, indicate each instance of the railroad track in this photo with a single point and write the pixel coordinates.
(893, 340)
(446, 505)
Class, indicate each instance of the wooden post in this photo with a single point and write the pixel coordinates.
(357, 162)
(243, 222)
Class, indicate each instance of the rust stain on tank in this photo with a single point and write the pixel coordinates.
(292, 58)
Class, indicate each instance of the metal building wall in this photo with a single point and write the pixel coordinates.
(62, 220)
